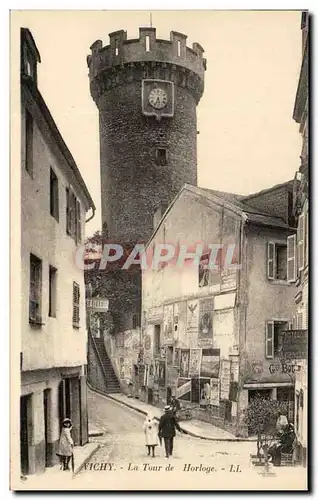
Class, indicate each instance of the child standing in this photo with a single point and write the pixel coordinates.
(150, 428)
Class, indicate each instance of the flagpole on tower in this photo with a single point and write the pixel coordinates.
(150, 20)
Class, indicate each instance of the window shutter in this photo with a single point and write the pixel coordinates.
(270, 260)
(68, 212)
(306, 238)
(300, 242)
(291, 258)
(269, 339)
(299, 321)
(78, 222)
(76, 303)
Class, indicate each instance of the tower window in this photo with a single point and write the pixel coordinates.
(116, 48)
(147, 43)
(161, 156)
(178, 48)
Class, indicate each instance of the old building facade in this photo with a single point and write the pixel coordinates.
(211, 337)
(301, 212)
(54, 203)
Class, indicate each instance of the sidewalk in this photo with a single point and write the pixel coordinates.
(195, 428)
(82, 454)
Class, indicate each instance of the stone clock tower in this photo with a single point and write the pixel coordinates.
(146, 90)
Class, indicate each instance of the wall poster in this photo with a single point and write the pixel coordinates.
(205, 319)
(195, 362)
(192, 315)
(168, 334)
(184, 362)
(176, 357)
(215, 392)
(156, 372)
(210, 363)
(162, 373)
(225, 377)
(183, 390)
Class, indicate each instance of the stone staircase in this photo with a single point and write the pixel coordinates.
(112, 382)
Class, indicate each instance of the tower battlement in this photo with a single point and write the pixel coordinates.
(147, 50)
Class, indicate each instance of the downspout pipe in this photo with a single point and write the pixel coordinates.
(92, 216)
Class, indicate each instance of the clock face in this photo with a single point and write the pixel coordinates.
(158, 98)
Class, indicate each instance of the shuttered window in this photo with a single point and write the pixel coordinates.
(299, 321)
(73, 216)
(291, 258)
(269, 339)
(277, 261)
(78, 222)
(270, 260)
(300, 242)
(35, 293)
(76, 305)
(306, 239)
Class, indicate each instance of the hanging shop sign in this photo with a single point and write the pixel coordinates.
(294, 344)
(97, 305)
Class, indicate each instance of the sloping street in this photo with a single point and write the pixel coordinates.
(122, 463)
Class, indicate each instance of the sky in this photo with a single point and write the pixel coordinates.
(248, 140)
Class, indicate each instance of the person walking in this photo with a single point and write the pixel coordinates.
(151, 434)
(167, 429)
(66, 444)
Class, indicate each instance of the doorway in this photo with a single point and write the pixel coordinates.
(25, 408)
(64, 400)
(46, 405)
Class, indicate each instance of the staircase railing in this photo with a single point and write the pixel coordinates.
(115, 367)
(98, 356)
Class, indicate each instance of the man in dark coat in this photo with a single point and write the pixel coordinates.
(167, 429)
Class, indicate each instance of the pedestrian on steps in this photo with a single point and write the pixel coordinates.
(167, 429)
(150, 428)
(66, 444)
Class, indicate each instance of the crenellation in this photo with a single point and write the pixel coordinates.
(147, 48)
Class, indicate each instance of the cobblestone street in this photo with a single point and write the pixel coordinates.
(122, 463)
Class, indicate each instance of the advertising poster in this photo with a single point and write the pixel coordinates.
(210, 363)
(169, 355)
(176, 357)
(184, 362)
(156, 372)
(215, 392)
(183, 390)
(172, 375)
(168, 334)
(162, 374)
(205, 319)
(195, 362)
(225, 377)
(192, 315)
